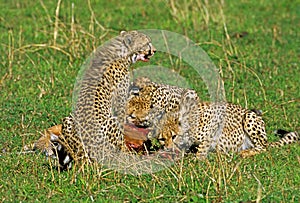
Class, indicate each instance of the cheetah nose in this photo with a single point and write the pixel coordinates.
(150, 52)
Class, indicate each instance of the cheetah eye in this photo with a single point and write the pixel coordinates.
(132, 116)
(134, 90)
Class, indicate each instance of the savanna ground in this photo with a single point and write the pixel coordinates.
(254, 44)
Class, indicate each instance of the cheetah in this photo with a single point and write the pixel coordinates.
(205, 126)
(157, 98)
(97, 120)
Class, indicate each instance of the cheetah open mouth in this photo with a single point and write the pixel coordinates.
(143, 56)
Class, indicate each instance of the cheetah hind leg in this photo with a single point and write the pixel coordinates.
(255, 129)
(286, 138)
(256, 137)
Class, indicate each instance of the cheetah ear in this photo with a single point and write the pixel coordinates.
(123, 32)
(128, 40)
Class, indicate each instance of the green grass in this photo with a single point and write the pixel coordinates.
(38, 68)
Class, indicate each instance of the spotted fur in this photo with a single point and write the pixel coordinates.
(97, 120)
(208, 126)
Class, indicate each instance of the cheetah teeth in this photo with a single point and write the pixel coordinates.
(139, 57)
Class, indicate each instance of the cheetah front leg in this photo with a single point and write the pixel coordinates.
(192, 124)
(119, 99)
(108, 138)
(203, 149)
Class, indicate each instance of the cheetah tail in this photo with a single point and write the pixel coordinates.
(286, 138)
(280, 133)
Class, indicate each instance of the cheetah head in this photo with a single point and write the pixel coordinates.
(168, 131)
(140, 103)
(138, 110)
(172, 134)
(138, 45)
